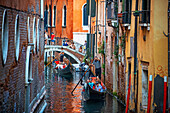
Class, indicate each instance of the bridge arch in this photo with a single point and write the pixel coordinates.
(66, 52)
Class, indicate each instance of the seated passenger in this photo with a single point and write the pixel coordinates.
(91, 84)
(99, 87)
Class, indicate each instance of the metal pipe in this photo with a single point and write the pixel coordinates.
(105, 35)
(96, 23)
(135, 52)
(51, 19)
(117, 43)
(168, 55)
(90, 28)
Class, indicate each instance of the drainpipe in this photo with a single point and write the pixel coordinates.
(168, 57)
(135, 52)
(118, 49)
(105, 35)
(90, 28)
(96, 23)
(51, 19)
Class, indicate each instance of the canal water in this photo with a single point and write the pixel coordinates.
(60, 100)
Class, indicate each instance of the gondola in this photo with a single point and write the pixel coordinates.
(89, 93)
(66, 72)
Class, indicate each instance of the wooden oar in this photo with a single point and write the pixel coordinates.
(50, 62)
(80, 80)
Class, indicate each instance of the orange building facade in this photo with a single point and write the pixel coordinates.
(62, 18)
(69, 19)
(80, 21)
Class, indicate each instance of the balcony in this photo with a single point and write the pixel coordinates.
(144, 18)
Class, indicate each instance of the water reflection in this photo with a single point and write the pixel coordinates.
(59, 98)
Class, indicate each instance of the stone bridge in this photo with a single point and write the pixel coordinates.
(74, 54)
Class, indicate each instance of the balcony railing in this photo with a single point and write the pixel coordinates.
(126, 18)
(144, 17)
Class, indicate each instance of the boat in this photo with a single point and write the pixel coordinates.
(89, 93)
(66, 72)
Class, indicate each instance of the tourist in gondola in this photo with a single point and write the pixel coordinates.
(99, 87)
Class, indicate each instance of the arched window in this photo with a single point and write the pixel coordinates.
(34, 33)
(4, 36)
(38, 27)
(28, 29)
(64, 14)
(84, 17)
(17, 38)
(28, 66)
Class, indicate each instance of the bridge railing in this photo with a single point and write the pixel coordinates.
(61, 42)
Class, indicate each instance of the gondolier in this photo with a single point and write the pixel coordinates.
(61, 55)
(97, 65)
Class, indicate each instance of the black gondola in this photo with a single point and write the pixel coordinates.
(89, 93)
(66, 72)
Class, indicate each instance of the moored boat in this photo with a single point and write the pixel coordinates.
(91, 93)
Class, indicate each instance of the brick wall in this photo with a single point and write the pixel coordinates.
(12, 74)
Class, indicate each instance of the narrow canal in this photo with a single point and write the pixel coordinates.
(60, 100)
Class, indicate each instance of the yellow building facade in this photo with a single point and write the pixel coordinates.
(152, 53)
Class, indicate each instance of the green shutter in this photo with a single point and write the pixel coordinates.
(123, 6)
(87, 7)
(93, 8)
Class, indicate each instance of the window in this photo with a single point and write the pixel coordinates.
(85, 16)
(38, 34)
(46, 19)
(17, 37)
(64, 16)
(127, 12)
(145, 13)
(28, 29)
(54, 16)
(34, 33)
(30, 68)
(4, 37)
(111, 10)
(42, 8)
(49, 16)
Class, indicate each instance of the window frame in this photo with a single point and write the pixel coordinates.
(4, 37)
(34, 34)
(85, 27)
(64, 16)
(17, 37)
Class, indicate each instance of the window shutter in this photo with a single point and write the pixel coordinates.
(65, 11)
(93, 8)
(46, 20)
(54, 15)
(87, 9)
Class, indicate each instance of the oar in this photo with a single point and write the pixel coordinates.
(50, 62)
(79, 81)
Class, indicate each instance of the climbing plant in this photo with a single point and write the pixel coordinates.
(101, 48)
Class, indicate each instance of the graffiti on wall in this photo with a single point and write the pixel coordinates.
(160, 70)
